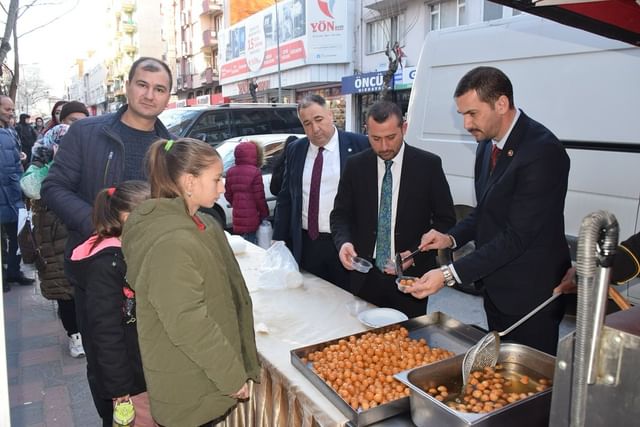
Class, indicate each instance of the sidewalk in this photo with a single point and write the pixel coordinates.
(47, 387)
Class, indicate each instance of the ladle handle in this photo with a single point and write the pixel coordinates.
(528, 316)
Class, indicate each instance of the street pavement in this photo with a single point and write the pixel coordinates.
(47, 387)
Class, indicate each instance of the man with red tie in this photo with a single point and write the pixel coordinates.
(313, 167)
(521, 175)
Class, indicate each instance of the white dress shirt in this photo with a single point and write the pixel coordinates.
(328, 182)
(396, 173)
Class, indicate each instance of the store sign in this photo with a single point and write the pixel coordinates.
(363, 83)
(404, 78)
(308, 31)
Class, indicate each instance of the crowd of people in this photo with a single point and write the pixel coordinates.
(147, 285)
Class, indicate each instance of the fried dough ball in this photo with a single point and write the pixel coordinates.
(360, 369)
(486, 391)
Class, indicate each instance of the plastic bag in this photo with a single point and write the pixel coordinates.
(31, 181)
(279, 270)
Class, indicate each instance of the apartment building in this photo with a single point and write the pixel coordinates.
(132, 31)
(190, 33)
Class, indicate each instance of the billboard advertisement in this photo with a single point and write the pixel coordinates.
(310, 32)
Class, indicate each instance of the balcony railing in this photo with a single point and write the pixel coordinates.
(128, 6)
(212, 7)
(129, 27)
(209, 38)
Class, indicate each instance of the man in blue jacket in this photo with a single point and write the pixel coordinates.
(313, 168)
(10, 196)
(100, 152)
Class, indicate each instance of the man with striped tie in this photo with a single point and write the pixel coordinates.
(387, 198)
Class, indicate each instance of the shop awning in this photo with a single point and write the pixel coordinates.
(615, 19)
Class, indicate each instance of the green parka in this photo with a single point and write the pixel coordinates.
(195, 321)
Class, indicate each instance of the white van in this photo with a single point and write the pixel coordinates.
(583, 87)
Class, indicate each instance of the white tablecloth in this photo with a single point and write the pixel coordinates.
(292, 318)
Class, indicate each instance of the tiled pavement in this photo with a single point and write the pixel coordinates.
(47, 387)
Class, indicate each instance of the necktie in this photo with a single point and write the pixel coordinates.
(495, 153)
(314, 196)
(383, 238)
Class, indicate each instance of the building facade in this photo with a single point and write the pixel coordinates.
(394, 31)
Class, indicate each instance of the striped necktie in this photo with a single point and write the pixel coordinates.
(314, 196)
(383, 239)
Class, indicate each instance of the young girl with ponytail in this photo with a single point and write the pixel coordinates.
(105, 306)
(195, 318)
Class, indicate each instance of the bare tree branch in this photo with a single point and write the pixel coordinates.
(51, 21)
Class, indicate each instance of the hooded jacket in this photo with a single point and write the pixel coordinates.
(195, 318)
(244, 189)
(109, 335)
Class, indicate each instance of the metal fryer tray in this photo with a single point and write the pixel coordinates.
(438, 329)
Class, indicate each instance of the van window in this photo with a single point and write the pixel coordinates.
(271, 152)
(212, 127)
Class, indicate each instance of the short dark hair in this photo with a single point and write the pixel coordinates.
(312, 99)
(150, 64)
(382, 110)
(24, 117)
(489, 83)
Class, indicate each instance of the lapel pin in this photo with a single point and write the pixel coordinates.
(349, 150)
(510, 153)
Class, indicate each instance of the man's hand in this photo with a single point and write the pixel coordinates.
(433, 239)
(430, 283)
(346, 254)
(243, 393)
(389, 268)
(568, 283)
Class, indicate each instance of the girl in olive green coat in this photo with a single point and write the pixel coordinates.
(195, 322)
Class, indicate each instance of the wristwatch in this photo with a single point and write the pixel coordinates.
(449, 280)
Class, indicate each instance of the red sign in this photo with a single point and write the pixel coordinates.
(288, 52)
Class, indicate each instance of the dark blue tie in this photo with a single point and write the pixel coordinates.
(383, 239)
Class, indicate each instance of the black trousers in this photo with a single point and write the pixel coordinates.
(67, 313)
(380, 289)
(10, 255)
(540, 332)
(320, 257)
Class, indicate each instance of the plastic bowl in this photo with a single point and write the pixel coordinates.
(361, 264)
(399, 280)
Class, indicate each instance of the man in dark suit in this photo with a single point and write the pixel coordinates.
(313, 167)
(388, 198)
(518, 223)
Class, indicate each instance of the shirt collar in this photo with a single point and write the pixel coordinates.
(332, 145)
(398, 158)
(500, 144)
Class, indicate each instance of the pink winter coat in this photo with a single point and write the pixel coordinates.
(244, 190)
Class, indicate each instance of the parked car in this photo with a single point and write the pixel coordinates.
(217, 123)
(272, 145)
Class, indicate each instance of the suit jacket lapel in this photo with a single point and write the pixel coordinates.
(483, 168)
(298, 161)
(344, 146)
(509, 150)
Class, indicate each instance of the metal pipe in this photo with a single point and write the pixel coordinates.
(597, 243)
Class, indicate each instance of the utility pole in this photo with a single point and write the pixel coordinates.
(278, 56)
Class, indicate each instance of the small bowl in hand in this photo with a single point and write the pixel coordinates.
(403, 282)
(361, 264)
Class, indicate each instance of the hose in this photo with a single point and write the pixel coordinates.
(597, 243)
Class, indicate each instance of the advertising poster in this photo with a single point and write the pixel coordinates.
(310, 32)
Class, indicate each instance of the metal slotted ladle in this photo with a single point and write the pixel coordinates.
(485, 353)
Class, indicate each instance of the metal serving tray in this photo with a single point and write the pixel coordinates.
(531, 411)
(438, 329)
